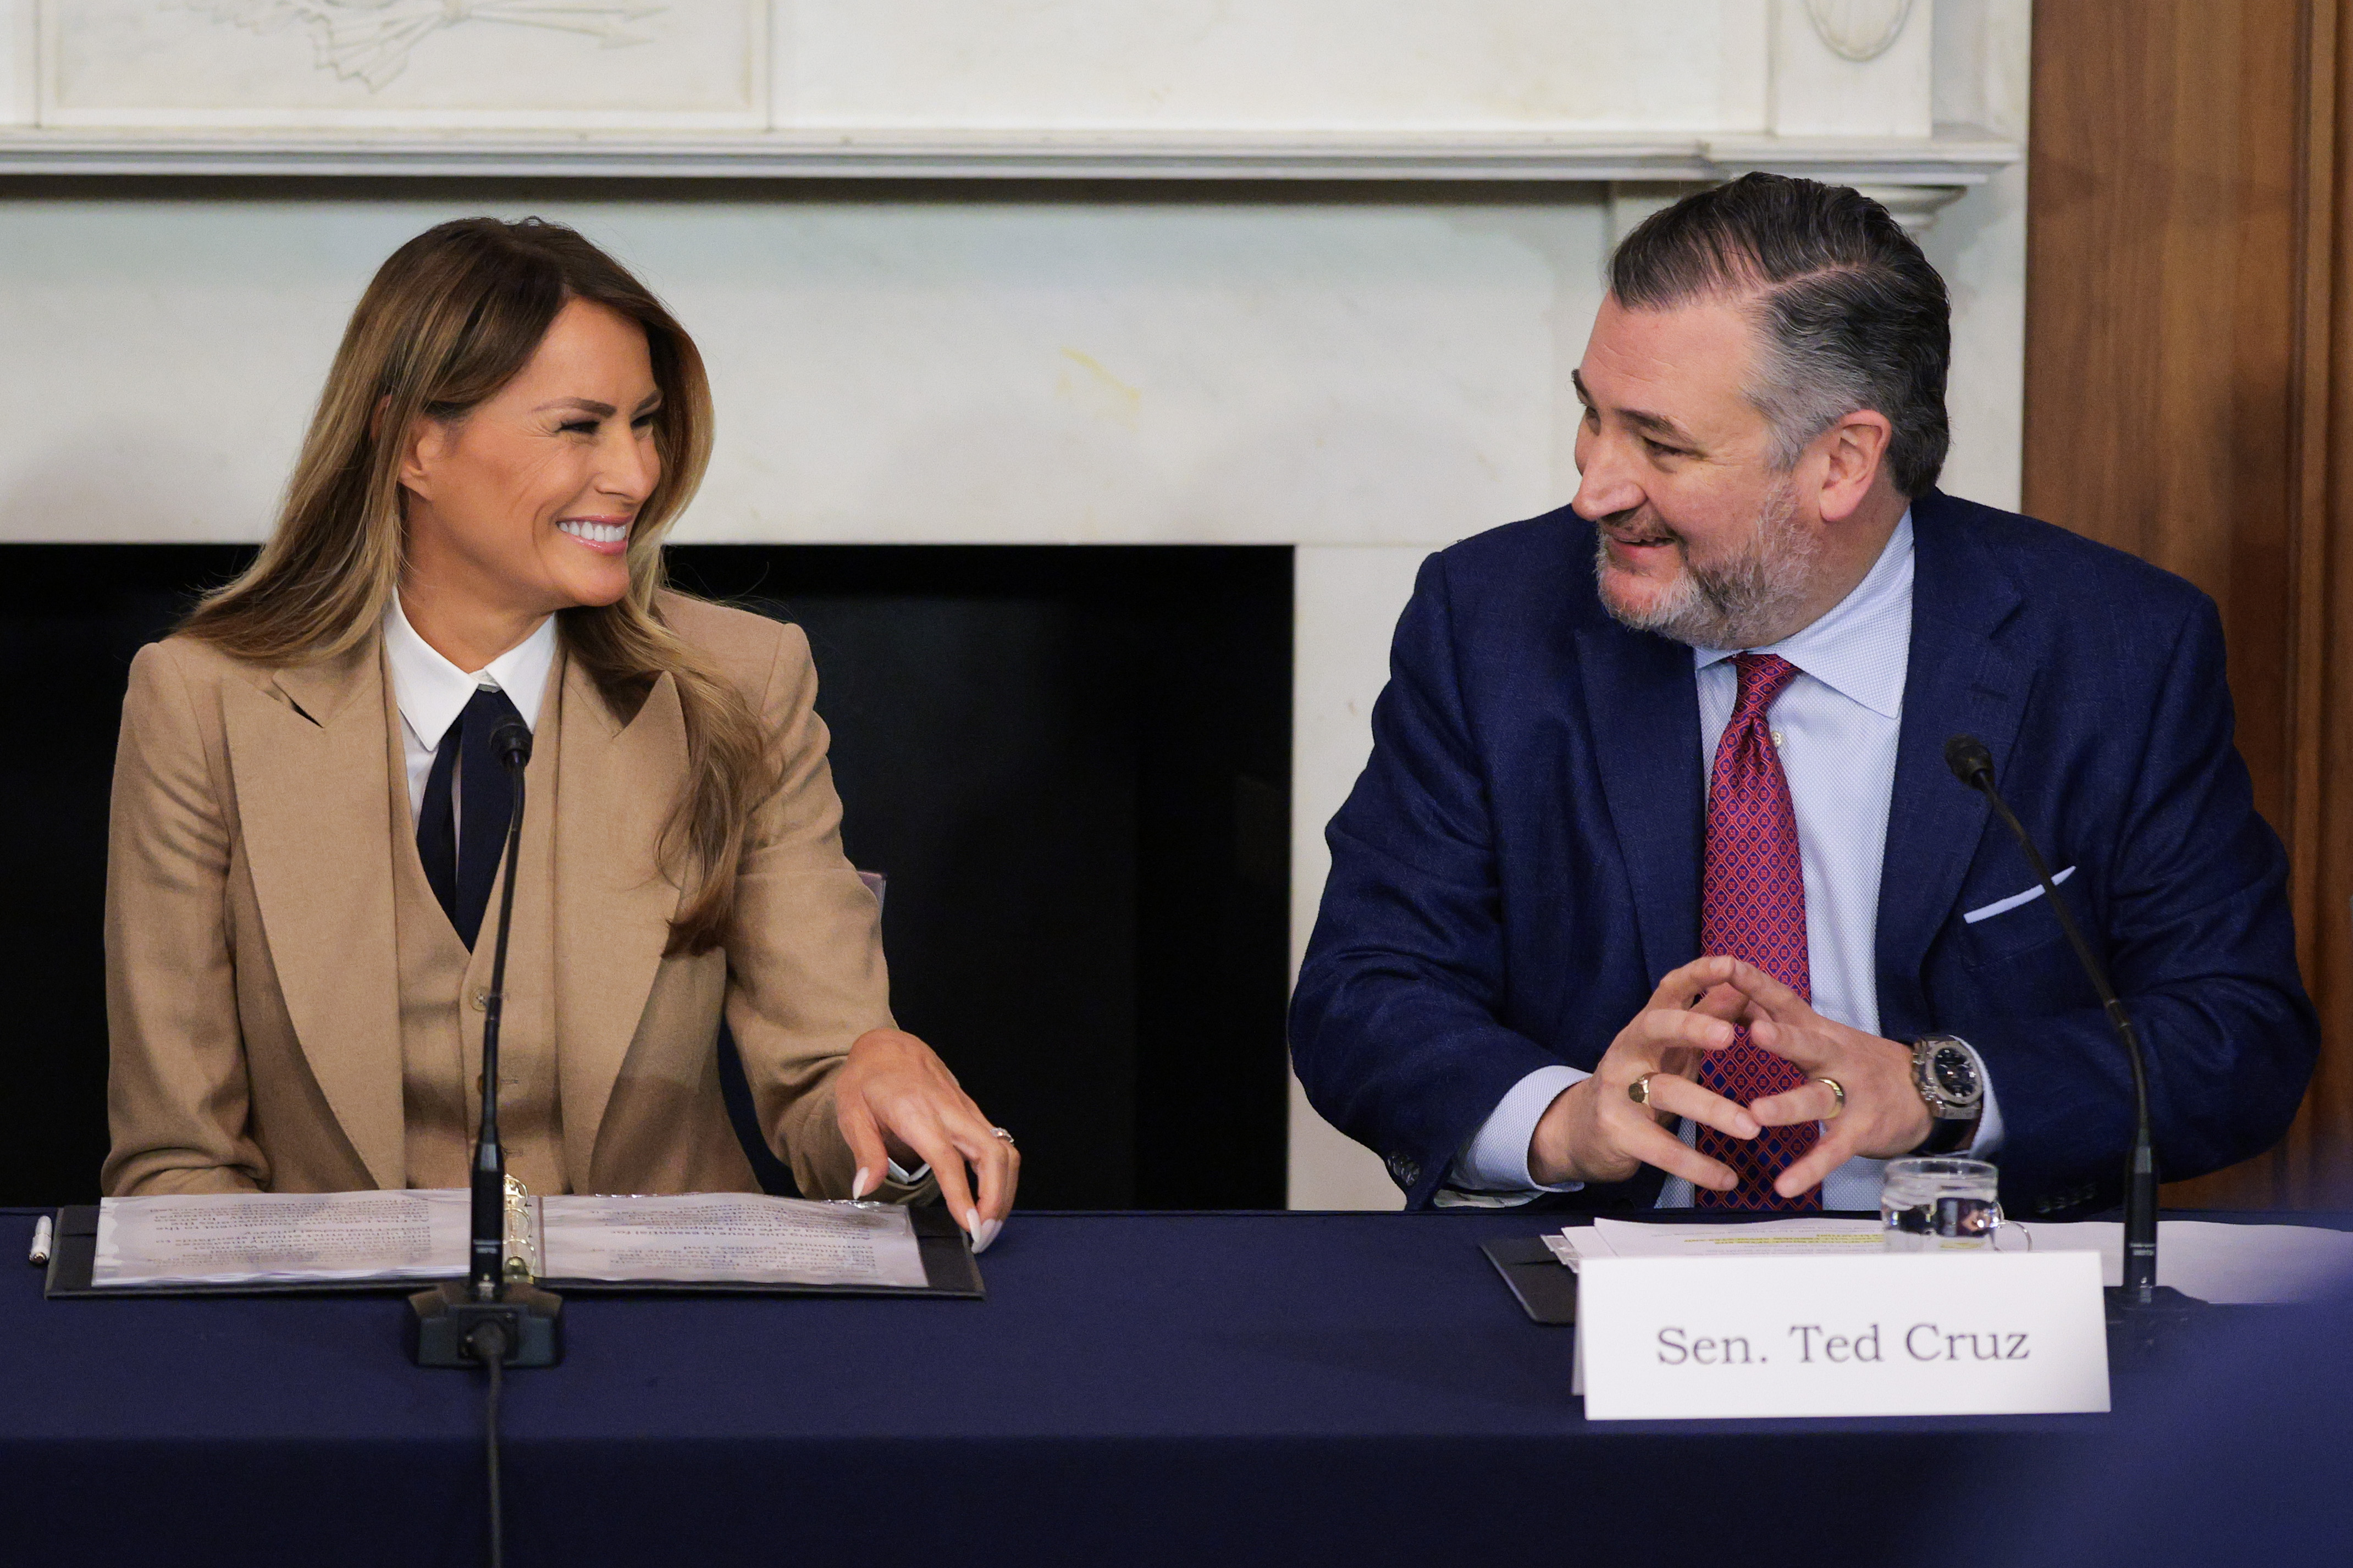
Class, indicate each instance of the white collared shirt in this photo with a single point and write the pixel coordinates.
(431, 691)
(1836, 726)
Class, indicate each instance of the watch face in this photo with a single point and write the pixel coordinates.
(1955, 1073)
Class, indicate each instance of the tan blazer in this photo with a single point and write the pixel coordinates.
(252, 979)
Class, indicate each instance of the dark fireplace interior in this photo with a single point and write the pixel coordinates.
(1072, 763)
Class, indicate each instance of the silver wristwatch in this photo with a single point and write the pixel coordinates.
(1951, 1080)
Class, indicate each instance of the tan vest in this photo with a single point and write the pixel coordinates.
(443, 988)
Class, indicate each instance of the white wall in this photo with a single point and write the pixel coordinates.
(1008, 370)
(1367, 371)
(1979, 245)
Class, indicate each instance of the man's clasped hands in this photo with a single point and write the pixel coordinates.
(1597, 1131)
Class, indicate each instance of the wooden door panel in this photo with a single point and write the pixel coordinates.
(2185, 239)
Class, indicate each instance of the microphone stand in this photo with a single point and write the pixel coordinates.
(2140, 1304)
(490, 1320)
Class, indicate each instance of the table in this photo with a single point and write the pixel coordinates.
(1138, 1389)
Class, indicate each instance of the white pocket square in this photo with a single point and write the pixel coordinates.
(2003, 906)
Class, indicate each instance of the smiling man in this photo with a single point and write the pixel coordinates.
(1656, 890)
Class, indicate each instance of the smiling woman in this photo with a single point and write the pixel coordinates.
(307, 818)
(522, 506)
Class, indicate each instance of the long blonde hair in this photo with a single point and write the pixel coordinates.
(453, 316)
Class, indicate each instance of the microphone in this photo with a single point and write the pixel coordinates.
(1972, 763)
(489, 1320)
(510, 743)
(1968, 757)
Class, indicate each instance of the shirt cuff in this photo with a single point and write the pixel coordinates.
(1987, 1142)
(1495, 1160)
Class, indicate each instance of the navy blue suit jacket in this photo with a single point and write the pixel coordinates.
(1519, 865)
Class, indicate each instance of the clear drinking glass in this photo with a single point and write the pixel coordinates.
(1940, 1205)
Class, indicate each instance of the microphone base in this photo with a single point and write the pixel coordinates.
(2164, 1303)
(442, 1321)
(2141, 1332)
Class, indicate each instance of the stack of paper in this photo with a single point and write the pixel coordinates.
(1807, 1235)
(2237, 1264)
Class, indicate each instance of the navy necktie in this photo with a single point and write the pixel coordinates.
(460, 870)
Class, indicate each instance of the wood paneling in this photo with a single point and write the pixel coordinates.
(2187, 325)
(2316, 1167)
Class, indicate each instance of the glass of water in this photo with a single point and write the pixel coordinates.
(1940, 1205)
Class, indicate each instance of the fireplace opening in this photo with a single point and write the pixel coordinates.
(1071, 762)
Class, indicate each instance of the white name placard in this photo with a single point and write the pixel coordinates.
(1878, 1334)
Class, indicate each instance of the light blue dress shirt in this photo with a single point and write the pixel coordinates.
(1836, 727)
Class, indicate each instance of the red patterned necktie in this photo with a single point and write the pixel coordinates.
(1753, 906)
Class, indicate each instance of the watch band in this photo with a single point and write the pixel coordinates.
(1948, 1134)
(1950, 1128)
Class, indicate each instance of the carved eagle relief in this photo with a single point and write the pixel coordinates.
(370, 41)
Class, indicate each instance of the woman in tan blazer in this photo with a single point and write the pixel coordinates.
(294, 996)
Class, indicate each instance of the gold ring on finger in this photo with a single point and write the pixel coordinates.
(1838, 1088)
(1639, 1091)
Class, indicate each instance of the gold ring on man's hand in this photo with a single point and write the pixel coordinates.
(1639, 1091)
(1838, 1088)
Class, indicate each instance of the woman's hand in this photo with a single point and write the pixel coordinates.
(897, 1100)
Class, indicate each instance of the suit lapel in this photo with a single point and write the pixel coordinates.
(1958, 678)
(310, 767)
(1644, 701)
(616, 785)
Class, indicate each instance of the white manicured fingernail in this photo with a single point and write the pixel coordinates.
(972, 1225)
(859, 1183)
(989, 1233)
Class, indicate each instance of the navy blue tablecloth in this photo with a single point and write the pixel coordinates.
(1137, 1389)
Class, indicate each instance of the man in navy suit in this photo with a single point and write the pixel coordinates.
(1657, 890)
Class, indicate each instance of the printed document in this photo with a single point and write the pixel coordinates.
(729, 1238)
(2239, 1264)
(1811, 1236)
(396, 1238)
(280, 1238)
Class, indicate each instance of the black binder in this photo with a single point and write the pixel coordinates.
(948, 1265)
(1544, 1288)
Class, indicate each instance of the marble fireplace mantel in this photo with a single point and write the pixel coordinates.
(1953, 158)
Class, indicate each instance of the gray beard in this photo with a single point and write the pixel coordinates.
(1752, 601)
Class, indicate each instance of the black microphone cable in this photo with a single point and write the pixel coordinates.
(488, 1344)
(510, 741)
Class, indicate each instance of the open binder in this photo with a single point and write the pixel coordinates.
(949, 1269)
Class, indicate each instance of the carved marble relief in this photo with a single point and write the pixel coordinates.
(1614, 89)
(370, 41)
(1859, 30)
(439, 64)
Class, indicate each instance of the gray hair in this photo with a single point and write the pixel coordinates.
(1851, 314)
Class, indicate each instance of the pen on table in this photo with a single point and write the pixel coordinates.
(42, 1231)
